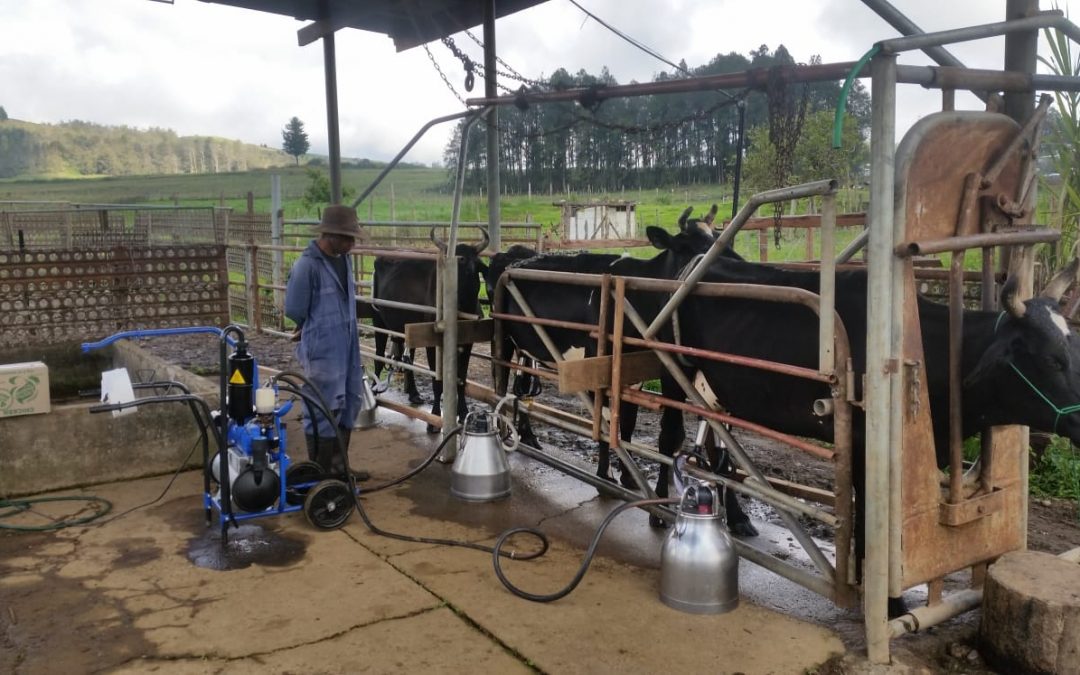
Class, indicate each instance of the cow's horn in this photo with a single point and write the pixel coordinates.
(711, 216)
(487, 240)
(1061, 281)
(683, 217)
(1009, 302)
(439, 243)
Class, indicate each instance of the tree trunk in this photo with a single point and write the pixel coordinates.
(1031, 614)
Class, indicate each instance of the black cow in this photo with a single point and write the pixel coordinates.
(414, 282)
(1014, 362)
(581, 304)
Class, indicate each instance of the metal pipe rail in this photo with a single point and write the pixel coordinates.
(989, 239)
(842, 414)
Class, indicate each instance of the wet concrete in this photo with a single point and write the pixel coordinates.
(247, 545)
(159, 597)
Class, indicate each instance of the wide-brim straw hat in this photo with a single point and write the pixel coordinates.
(339, 219)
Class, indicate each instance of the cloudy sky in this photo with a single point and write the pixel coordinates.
(208, 69)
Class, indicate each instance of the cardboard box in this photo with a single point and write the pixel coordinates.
(24, 389)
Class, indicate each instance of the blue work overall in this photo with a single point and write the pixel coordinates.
(329, 350)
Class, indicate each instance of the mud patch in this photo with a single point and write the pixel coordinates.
(247, 545)
(134, 552)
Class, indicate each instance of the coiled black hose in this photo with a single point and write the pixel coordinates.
(549, 597)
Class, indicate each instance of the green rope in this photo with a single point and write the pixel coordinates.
(17, 506)
(841, 104)
(1067, 410)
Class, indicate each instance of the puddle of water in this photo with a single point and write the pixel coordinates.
(247, 545)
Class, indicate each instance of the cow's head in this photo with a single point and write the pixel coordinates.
(499, 263)
(1032, 365)
(470, 269)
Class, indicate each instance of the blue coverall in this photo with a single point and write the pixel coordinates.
(329, 350)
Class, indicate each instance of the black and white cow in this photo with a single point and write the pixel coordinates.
(414, 282)
(1019, 366)
(580, 304)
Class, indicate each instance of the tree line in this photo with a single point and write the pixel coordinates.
(652, 141)
(79, 148)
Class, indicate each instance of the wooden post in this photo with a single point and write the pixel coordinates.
(763, 245)
(601, 350)
(616, 362)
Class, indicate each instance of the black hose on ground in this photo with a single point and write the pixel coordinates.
(549, 597)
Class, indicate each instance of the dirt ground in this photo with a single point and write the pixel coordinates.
(1054, 524)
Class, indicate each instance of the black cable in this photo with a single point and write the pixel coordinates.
(172, 480)
(536, 597)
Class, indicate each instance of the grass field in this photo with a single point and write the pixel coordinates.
(406, 194)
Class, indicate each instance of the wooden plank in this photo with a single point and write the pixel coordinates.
(595, 372)
(420, 335)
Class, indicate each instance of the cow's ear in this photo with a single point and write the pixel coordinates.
(682, 218)
(658, 237)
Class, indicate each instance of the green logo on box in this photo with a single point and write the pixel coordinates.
(19, 389)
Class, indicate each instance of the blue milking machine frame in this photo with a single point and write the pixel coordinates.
(227, 430)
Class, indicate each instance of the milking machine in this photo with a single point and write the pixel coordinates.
(253, 473)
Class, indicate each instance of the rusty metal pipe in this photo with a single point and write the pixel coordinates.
(760, 364)
(1001, 238)
(644, 398)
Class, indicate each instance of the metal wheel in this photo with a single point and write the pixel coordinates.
(329, 504)
(298, 473)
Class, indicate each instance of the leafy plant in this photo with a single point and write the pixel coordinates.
(1057, 474)
(1063, 141)
(318, 190)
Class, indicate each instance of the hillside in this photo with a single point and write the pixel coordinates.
(73, 149)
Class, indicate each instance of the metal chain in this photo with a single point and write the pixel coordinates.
(511, 74)
(466, 62)
(663, 126)
(443, 75)
(786, 117)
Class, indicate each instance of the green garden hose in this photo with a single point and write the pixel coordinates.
(16, 506)
(841, 104)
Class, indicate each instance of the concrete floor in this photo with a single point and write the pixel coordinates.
(128, 596)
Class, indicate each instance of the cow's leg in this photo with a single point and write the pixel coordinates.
(737, 521)
(380, 349)
(436, 392)
(464, 354)
(896, 605)
(410, 378)
(672, 437)
(628, 413)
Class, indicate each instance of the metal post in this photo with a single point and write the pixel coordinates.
(1020, 55)
(450, 293)
(277, 255)
(490, 91)
(332, 132)
(738, 159)
(880, 364)
(827, 321)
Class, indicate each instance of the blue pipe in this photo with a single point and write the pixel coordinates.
(154, 332)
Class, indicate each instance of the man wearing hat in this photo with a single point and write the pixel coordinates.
(321, 298)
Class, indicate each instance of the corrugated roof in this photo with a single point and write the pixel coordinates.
(408, 22)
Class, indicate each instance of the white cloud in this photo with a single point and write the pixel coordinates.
(203, 68)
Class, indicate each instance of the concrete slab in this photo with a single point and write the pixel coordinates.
(144, 593)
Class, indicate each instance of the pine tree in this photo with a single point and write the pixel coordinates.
(295, 140)
(3, 114)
